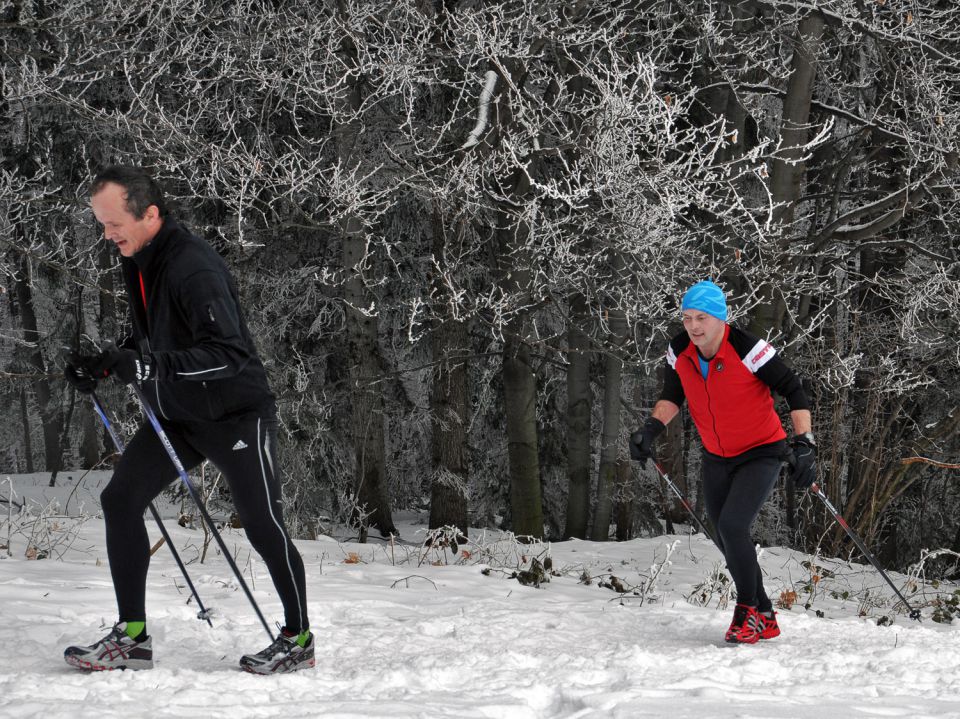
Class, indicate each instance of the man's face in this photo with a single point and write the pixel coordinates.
(705, 331)
(129, 233)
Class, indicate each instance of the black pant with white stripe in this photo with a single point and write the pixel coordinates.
(244, 450)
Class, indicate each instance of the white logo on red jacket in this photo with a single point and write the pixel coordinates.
(761, 353)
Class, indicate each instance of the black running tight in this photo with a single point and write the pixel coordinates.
(245, 451)
(734, 490)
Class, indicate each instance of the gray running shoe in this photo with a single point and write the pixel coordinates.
(114, 651)
(283, 656)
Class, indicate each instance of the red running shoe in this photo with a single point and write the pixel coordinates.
(768, 625)
(745, 627)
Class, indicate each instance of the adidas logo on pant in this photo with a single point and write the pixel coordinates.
(240, 445)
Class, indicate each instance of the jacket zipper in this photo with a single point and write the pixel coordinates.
(713, 417)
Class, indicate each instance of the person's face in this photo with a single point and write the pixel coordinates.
(705, 331)
(120, 226)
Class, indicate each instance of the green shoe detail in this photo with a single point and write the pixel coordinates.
(303, 638)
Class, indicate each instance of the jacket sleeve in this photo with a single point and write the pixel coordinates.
(672, 387)
(782, 380)
(217, 349)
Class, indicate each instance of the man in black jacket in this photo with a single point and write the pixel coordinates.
(193, 356)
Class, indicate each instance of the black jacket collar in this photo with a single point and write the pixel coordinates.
(154, 247)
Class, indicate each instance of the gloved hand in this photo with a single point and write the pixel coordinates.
(126, 365)
(803, 461)
(77, 372)
(641, 441)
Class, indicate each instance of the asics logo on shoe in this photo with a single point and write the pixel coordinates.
(240, 445)
(114, 651)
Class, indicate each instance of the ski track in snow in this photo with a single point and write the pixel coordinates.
(447, 641)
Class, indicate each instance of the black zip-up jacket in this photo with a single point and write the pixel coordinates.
(185, 311)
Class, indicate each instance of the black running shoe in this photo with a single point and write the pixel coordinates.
(114, 651)
(283, 656)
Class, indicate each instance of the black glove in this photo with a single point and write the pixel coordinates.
(803, 461)
(641, 441)
(77, 372)
(126, 365)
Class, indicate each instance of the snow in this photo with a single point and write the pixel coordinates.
(405, 631)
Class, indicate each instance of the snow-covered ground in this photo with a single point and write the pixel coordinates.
(408, 632)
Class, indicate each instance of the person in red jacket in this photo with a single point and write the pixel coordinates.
(726, 376)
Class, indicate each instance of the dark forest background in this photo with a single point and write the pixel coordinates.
(462, 229)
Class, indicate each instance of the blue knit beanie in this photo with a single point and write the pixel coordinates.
(706, 297)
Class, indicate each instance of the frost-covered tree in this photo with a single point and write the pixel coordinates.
(461, 230)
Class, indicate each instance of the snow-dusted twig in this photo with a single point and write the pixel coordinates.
(406, 581)
(483, 110)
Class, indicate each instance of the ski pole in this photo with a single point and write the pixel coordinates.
(204, 613)
(676, 490)
(815, 488)
(185, 478)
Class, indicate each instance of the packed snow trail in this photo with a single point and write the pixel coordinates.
(401, 637)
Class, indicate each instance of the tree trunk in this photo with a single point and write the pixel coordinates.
(367, 416)
(625, 501)
(519, 379)
(90, 443)
(788, 168)
(449, 408)
(27, 442)
(724, 101)
(610, 443)
(50, 417)
(520, 405)
(579, 405)
(448, 490)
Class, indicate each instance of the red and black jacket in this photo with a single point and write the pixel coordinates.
(185, 311)
(733, 407)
